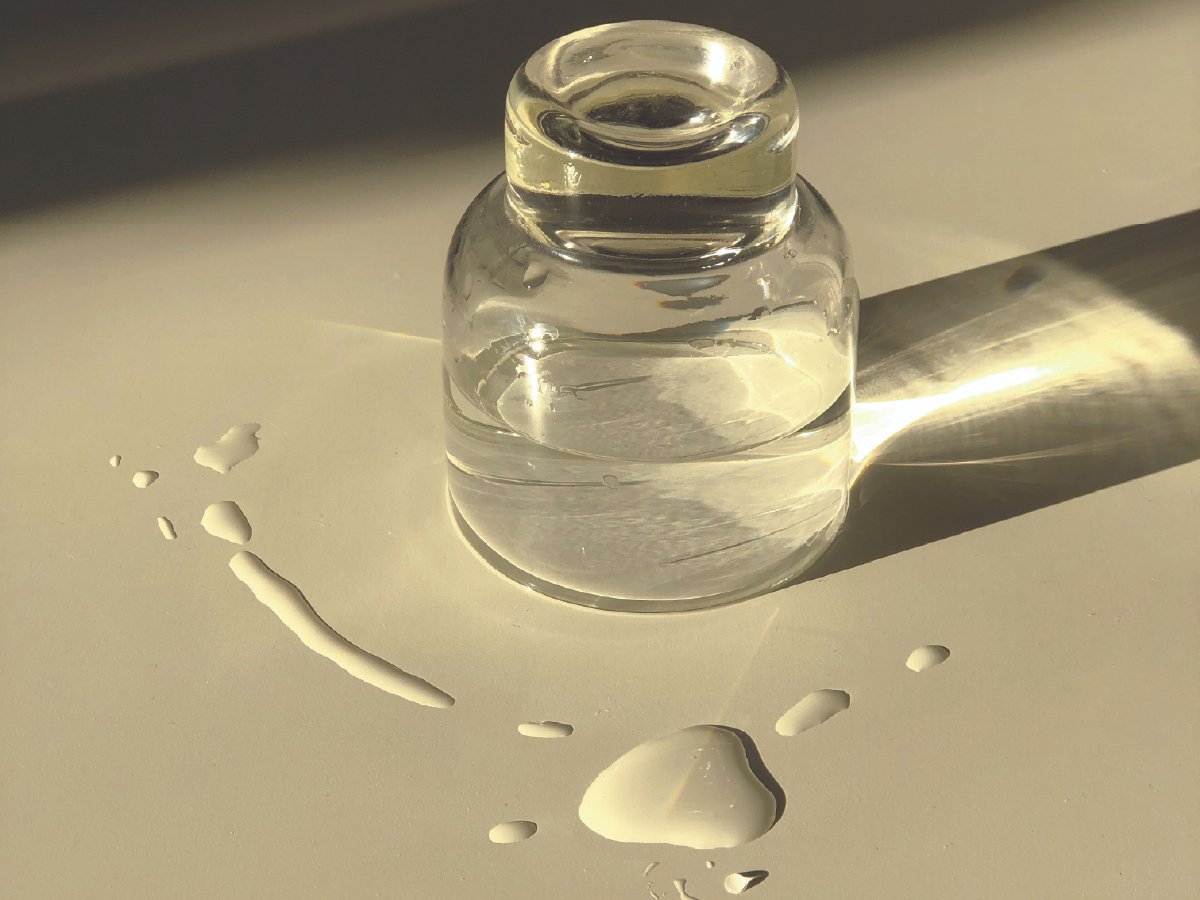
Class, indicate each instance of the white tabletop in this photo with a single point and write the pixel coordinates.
(166, 736)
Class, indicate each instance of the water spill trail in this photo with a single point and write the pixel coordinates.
(236, 445)
(740, 882)
(167, 529)
(512, 832)
(696, 787)
(144, 478)
(681, 887)
(226, 520)
(927, 657)
(819, 706)
(114, 461)
(546, 729)
(285, 600)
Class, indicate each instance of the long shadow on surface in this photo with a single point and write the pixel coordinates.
(1019, 385)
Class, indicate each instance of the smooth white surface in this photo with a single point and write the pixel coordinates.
(166, 736)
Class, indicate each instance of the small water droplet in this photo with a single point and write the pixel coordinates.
(167, 529)
(144, 478)
(236, 445)
(546, 729)
(650, 868)
(927, 657)
(709, 864)
(612, 481)
(819, 706)
(285, 600)
(692, 788)
(114, 461)
(512, 832)
(226, 521)
(740, 882)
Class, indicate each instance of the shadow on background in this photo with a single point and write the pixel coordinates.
(428, 77)
(1022, 384)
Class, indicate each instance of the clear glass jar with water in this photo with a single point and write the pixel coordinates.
(649, 329)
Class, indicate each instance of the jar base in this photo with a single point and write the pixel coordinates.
(778, 576)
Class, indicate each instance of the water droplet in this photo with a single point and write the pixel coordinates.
(612, 481)
(740, 882)
(167, 529)
(512, 832)
(681, 887)
(144, 478)
(114, 461)
(702, 343)
(535, 275)
(545, 729)
(285, 600)
(709, 864)
(927, 657)
(236, 445)
(819, 706)
(650, 868)
(696, 787)
(226, 520)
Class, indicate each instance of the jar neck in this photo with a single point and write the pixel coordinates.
(651, 142)
(654, 231)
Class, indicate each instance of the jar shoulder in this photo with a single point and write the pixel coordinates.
(488, 231)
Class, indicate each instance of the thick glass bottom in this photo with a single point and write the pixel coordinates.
(755, 583)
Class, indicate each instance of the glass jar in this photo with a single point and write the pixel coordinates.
(649, 329)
